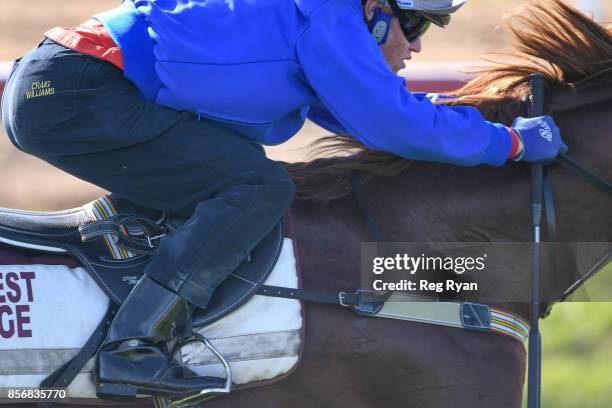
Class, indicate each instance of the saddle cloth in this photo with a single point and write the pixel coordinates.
(48, 309)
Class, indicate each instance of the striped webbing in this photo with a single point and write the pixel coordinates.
(509, 324)
(104, 208)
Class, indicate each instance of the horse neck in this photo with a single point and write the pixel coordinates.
(584, 114)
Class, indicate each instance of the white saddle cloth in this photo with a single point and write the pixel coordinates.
(46, 318)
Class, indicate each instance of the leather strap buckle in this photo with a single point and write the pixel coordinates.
(369, 303)
(140, 238)
(341, 299)
(475, 316)
(150, 238)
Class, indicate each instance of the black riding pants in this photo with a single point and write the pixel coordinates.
(81, 115)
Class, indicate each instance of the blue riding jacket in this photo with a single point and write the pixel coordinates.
(263, 67)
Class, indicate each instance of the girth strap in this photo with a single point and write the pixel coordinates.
(63, 376)
(408, 307)
(339, 298)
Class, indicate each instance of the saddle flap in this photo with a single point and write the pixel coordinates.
(245, 280)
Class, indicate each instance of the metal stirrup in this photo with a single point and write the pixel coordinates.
(206, 392)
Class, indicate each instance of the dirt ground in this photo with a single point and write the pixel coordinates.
(31, 184)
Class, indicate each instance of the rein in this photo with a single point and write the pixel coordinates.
(588, 176)
(534, 374)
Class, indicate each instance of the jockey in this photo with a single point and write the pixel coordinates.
(166, 103)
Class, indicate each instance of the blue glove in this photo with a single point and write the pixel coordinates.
(541, 139)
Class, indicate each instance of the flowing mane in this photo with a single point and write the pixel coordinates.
(549, 37)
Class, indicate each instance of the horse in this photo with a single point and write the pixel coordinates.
(350, 360)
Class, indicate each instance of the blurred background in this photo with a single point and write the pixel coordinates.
(577, 338)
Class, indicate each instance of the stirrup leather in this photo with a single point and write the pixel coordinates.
(115, 227)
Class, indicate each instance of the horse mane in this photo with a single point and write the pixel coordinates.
(547, 36)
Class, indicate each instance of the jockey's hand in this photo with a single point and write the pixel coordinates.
(540, 138)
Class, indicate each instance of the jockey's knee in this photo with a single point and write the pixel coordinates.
(276, 183)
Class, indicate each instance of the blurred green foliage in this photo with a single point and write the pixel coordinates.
(577, 351)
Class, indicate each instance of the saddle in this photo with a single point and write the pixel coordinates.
(73, 232)
(113, 240)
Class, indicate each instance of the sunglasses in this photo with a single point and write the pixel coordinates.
(414, 26)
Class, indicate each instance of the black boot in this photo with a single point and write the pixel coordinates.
(134, 358)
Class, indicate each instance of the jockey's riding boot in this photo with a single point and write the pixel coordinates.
(135, 358)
